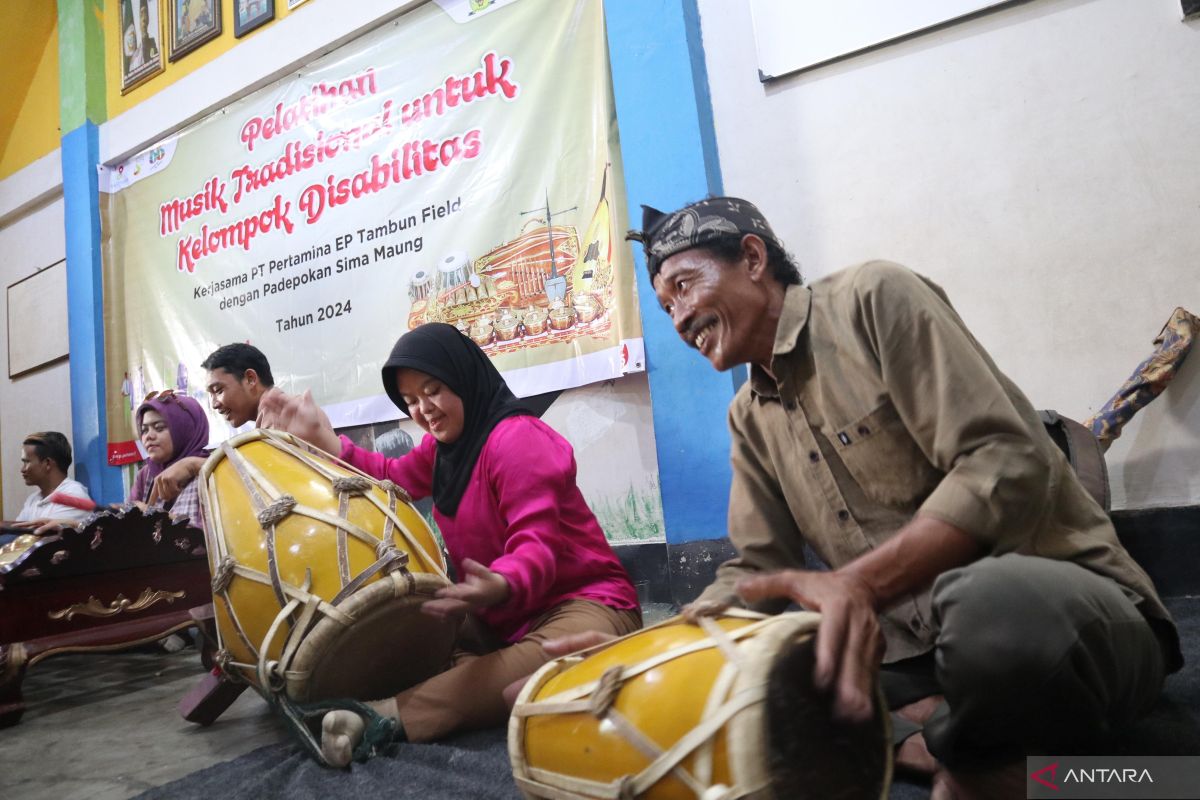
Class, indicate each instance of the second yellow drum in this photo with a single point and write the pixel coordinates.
(713, 711)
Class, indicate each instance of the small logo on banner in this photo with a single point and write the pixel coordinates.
(121, 453)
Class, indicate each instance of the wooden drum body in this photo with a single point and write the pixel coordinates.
(723, 709)
(318, 573)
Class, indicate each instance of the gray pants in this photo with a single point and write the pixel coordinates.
(1033, 656)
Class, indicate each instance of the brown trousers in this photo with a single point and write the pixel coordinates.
(468, 695)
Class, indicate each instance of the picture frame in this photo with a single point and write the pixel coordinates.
(141, 35)
(192, 23)
(250, 14)
(295, 3)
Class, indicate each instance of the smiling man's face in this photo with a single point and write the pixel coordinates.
(236, 400)
(718, 306)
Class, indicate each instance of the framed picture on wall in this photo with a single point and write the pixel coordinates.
(293, 3)
(141, 42)
(249, 14)
(192, 23)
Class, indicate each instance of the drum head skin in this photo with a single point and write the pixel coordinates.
(811, 755)
(390, 647)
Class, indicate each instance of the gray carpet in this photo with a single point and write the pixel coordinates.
(476, 765)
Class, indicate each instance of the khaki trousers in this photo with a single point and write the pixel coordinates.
(468, 695)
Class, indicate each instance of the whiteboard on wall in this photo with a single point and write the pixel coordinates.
(37, 320)
(794, 35)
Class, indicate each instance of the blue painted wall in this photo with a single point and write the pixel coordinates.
(664, 115)
(85, 315)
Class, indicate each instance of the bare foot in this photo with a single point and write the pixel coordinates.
(913, 754)
(920, 711)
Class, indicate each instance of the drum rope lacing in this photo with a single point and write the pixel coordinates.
(597, 698)
(300, 610)
(276, 512)
(435, 564)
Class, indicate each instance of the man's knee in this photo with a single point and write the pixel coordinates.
(981, 642)
(1017, 618)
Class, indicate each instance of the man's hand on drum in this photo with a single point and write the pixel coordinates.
(703, 608)
(480, 588)
(849, 639)
(299, 415)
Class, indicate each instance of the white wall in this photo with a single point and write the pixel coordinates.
(31, 237)
(1041, 163)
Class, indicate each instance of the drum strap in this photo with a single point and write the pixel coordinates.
(723, 640)
(300, 629)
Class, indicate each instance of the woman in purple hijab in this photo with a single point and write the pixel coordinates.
(170, 427)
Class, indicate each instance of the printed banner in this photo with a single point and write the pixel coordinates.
(465, 172)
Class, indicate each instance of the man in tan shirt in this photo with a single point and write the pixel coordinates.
(963, 551)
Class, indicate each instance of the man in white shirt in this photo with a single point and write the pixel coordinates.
(45, 459)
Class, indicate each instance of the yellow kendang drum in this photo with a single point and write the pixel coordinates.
(711, 711)
(318, 574)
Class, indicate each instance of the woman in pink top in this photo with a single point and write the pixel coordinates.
(532, 559)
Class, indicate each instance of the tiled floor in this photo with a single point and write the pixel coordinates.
(104, 727)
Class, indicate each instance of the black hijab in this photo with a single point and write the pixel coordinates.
(439, 350)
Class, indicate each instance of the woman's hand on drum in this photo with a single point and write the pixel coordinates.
(849, 639)
(299, 415)
(480, 588)
(172, 480)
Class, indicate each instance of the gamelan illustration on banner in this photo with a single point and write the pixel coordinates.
(536, 288)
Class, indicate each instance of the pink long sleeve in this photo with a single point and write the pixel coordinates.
(522, 515)
(552, 548)
(413, 471)
(531, 476)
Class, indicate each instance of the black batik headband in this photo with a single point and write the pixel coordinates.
(664, 235)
